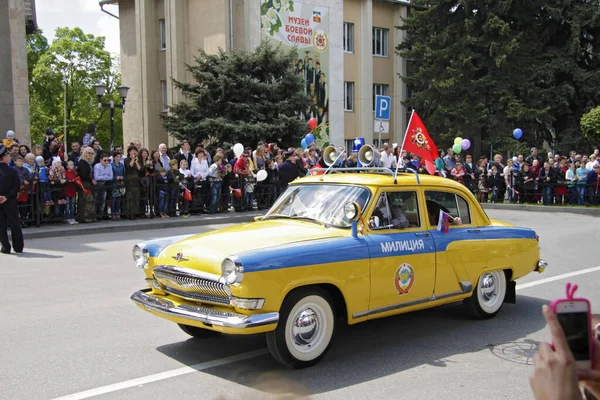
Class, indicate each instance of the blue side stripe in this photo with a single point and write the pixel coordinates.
(343, 249)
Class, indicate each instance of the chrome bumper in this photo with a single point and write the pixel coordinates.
(202, 314)
(541, 266)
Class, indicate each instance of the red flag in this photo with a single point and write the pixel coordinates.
(418, 141)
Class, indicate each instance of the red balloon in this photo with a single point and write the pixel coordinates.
(312, 124)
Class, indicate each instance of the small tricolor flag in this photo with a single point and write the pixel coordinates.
(443, 222)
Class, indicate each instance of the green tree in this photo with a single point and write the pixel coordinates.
(240, 96)
(590, 124)
(479, 69)
(71, 65)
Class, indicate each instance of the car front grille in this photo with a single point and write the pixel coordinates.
(191, 285)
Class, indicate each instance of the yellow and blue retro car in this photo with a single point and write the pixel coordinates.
(337, 248)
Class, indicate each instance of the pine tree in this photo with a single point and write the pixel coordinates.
(240, 96)
(479, 68)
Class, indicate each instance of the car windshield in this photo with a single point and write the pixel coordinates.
(322, 203)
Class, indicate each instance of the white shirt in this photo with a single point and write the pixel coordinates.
(590, 166)
(199, 168)
(185, 172)
(388, 161)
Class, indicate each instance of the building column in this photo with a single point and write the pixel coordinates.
(400, 92)
(176, 28)
(252, 34)
(336, 73)
(364, 95)
(14, 82)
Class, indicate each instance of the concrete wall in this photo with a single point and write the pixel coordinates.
(14, 87)
(352, 67)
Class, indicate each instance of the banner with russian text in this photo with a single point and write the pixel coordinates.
(306, 28)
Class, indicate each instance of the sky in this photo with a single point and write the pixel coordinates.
(85, 14)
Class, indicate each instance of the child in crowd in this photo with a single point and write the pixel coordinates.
(458, 172)
(30, 163)
(228, 180)
(57, 178)
(70, 193)
(26, 178)
(174, 187)
(42, 174)
(116, 198)
(187, 184)
(162, 186)
(496, 184)
(37, 151)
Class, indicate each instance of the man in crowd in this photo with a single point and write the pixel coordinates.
(14, 152)
(97, 151)
(288, 171)
(9, 212)
(75, 152)
(534, 156)
(387, 158)
(184, 153)
(163, 156)
(449, 160)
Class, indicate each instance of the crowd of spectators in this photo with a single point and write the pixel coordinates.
(89, 184)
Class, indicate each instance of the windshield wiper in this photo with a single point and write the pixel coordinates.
(299, 217)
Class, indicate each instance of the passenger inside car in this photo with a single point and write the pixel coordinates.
(433, 211)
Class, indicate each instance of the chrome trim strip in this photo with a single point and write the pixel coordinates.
(202, 314)
(434, 297)
(189, 271)
(192, 285)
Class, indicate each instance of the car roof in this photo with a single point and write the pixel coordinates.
(370, 179)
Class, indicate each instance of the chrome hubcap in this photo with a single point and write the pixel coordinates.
(488, 288)
(305, 328)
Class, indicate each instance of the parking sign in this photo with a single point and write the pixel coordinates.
(383, 104)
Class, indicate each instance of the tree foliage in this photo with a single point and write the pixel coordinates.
(590, 124)
(479, 69)
(73, 62)
(240, 96)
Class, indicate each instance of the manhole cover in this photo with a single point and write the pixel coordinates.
(517, 352)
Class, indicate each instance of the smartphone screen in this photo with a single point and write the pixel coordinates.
(576, 328)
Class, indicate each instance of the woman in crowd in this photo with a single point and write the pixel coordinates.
(482, 183)
(582, 174)
(24, 150)
(312, 158)
(560, 189)
(118, 169)
(156, 163)
(199, 171)
(216, 173)
(526, 179)
(571, 178)
(259, 158)
(593, 184)
(134, 171)
(86, 207)
(508, 180)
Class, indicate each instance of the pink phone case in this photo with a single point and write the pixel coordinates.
(571, 289)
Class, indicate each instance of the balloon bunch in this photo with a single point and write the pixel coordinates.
(309, 138)
(461, 144)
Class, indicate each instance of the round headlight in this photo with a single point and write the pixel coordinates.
(140, 256)
(351, 211)
(232, 271)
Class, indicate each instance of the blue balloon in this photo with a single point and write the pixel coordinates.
(304, 144)
(518, 133)
(310, 138)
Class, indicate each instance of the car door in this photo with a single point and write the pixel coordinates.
(461, 251)
(402, 259)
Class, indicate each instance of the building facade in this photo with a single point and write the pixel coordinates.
(17, 19)
(159, 37)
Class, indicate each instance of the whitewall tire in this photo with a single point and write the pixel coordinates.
(305, 329)
(488, 295)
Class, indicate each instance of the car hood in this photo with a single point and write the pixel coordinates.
(206, 251)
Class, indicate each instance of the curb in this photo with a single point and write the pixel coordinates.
(588, 211)
(61, 230)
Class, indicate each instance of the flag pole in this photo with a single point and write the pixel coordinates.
(402, 147)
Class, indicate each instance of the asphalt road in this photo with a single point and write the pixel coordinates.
(69, 329)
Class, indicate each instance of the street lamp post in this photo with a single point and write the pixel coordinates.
(101, 91)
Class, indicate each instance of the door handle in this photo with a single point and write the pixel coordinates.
(474, 230)
(426, 234)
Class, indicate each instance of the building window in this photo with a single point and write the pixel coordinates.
(348, 37)
(348, 96)
(381, 90)
(163, 34)
(380, 42)
(163, 90)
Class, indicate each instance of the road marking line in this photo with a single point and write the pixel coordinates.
(162, 375)
(557, 278)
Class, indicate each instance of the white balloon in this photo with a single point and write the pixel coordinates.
(238, 150)
(261, 175)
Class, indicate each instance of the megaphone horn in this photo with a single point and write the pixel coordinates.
(368, 156)
(330, 154)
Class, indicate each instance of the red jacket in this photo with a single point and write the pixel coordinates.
(70, 186)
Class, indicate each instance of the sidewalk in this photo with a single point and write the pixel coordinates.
(58, 230)
(588, 211)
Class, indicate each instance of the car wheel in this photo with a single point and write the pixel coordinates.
(488, 296)
(198, 333)
(305, 329)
